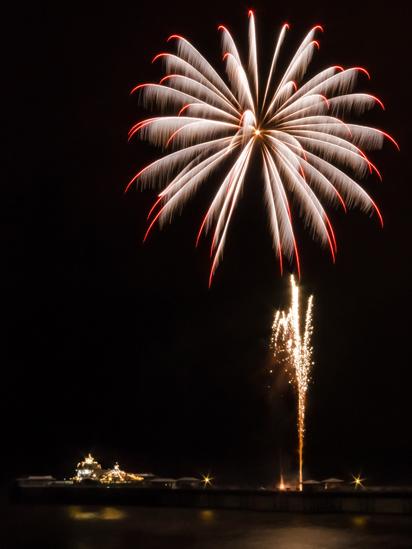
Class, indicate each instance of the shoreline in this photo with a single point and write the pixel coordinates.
(360, 502)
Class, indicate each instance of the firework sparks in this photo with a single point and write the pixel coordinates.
(308, 153)
(294, 352)
(281, 485)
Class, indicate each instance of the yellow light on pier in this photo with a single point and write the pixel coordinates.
(207, 480)
(358, 481)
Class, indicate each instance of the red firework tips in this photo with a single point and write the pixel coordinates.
(173, 136)
(140, 86)
(182, 110)
(333, 248)
(295, 247)
(167, 77)
(136, 177)
(390, 139)
(378, 212)
(280, 259)
(139, 126)
(176, 37)
(325, 99)
(153, 207)
(340, 198)
(361, 69)
(130, 183)
(152, 223)
(375, 169)
(199, 234)
(379, 102)
(159, 55)
(210, 279)
(372, 166)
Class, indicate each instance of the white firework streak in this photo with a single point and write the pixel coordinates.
(296, 126)
(293, 351)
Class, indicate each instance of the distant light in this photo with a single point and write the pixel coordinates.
(207, 480)
(358, 481)
(257, 132)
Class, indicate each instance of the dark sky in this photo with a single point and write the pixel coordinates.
(120, 348)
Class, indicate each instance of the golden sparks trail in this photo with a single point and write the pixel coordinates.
(294, 351)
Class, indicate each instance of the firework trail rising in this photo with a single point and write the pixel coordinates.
(293, 351)
(308, 152)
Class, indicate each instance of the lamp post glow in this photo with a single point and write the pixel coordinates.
(206, 480)
(358, 481)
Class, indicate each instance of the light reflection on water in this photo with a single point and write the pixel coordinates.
(102, 513)
(359, 521)
(126, 527)
(207, 515)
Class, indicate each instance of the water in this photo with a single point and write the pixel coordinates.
(86, 527)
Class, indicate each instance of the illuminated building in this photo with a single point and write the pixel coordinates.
(188, 482)
(116, 475)
(333, 483)
(163, 483)
(88, 469)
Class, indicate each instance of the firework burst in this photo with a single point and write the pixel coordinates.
(308, 152)
(293, 351)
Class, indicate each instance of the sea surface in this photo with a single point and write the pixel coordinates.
(87, 527)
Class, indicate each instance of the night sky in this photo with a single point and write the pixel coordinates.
(120, 348)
